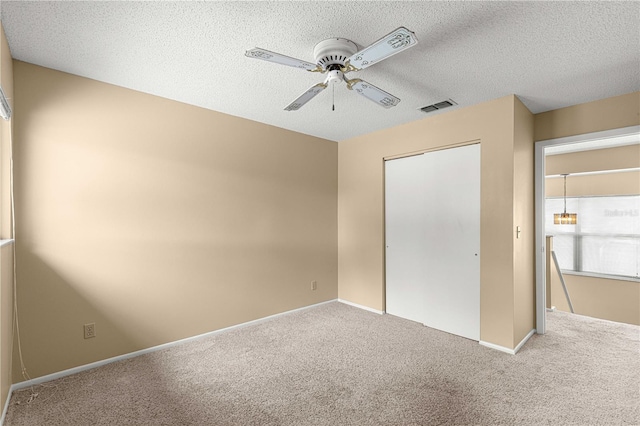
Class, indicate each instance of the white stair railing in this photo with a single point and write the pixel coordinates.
(564, 286)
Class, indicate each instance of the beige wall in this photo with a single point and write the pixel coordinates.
(618, 158)
(619, 183)
(622, 183)
(6, 251)
(593, 296)
(158, 220)
(245, 217)
(524, 274)
(606, 114)
(361, 207)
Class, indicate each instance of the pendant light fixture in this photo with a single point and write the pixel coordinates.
(565, 218)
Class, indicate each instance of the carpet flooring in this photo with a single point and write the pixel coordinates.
(334, 364)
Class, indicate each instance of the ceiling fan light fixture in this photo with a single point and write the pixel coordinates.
(334, 76)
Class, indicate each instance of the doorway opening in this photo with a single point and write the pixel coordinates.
(586, 244)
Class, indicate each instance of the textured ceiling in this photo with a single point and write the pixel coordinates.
(550, 54)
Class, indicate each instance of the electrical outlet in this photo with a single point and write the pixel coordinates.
(314, 285)
(90, 330)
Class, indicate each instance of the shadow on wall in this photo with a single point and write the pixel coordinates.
(160, 219)
(58, 309)
(137, 301)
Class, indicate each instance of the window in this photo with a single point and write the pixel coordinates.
(606, 239)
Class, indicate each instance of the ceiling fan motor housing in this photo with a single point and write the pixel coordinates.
(334, 51)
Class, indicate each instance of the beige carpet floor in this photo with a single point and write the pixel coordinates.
(338, 365)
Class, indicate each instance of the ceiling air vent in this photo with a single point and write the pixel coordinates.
(439, 105)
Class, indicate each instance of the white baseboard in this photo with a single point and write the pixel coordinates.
(497, 347)
(366, 308)
(507, 350)
(74, 370)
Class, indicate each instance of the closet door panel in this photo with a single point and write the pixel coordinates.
(452, 241)
(404, 237)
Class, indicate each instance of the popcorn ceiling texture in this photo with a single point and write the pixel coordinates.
(550, 54)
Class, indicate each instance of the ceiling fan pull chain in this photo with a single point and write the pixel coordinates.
(333, 101)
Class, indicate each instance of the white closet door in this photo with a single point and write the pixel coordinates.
(452, 237)
(404, 237)
(433, 239)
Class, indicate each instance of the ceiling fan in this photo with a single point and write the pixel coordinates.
(338, 56)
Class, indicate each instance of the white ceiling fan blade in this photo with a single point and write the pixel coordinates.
(394, 42)
(306, 97)
(373, 93)
(266, 55)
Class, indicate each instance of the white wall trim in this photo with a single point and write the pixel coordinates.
(507, 350)
(74, 370)
(366, 308)
(541, 265)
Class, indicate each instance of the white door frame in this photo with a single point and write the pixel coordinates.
(539, 206)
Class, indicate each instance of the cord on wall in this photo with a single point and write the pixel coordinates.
(16, 322)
